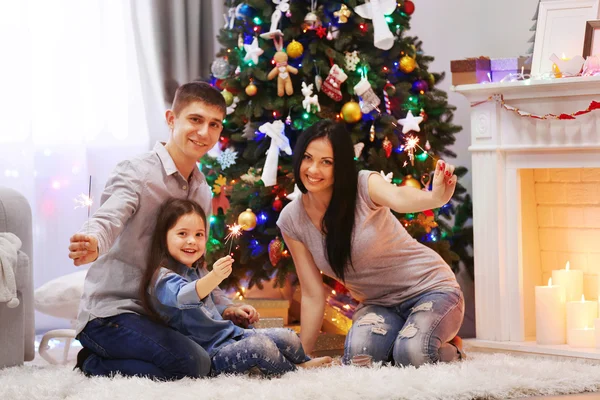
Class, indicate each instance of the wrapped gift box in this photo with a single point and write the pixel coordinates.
(501, 67)
(268, 308)
(470, 70)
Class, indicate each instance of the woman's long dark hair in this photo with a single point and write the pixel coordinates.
(158, 256)
(338, 221)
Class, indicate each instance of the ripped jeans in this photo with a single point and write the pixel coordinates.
(274, 351)
(415, 332)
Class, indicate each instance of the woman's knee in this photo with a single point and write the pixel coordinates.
(414, 349)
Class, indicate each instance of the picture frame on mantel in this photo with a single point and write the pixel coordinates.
(591, 43)
(560, 30)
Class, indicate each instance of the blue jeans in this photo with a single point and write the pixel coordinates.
(274, 351)
(415, 332)
(133, 345)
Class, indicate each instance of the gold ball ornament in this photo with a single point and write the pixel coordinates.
(294, 49)
(410, 181)
(351, 112)
(251, 89)
(247, 220)
(228, 96)
(407, 64)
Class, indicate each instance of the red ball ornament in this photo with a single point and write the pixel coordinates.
(219, 83)
(409, 7)
(275, 251)
(277, 204)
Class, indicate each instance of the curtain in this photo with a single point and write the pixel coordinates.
(81, 91)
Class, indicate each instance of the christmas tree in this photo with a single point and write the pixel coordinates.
(285, 65)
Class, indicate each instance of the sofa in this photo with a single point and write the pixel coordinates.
(17, 328)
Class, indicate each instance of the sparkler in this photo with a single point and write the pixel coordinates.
(85, 201)
(235, 231)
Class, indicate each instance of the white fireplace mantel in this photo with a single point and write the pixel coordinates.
(502, 143)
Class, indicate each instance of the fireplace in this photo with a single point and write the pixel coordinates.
(536, 202)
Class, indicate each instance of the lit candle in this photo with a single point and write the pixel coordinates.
(580, 316)
(550, 311)
(571, 280)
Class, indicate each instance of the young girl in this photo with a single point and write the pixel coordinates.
(177, 290)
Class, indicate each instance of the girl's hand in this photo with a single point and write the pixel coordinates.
(444, 183)
(222, 267)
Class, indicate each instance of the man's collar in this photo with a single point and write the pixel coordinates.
(169, 164)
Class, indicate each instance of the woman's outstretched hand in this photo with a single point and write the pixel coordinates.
(444, 183)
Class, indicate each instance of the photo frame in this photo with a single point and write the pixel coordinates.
(560, 30)
(591, 43)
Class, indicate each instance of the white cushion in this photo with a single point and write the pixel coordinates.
(61, 296)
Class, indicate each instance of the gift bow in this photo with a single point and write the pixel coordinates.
(276, 131)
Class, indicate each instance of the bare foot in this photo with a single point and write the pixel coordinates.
(317, 363)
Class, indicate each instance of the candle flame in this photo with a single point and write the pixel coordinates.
(549, 281)
(568, 266)
(564, 57)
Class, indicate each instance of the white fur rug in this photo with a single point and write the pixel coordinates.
(482, 376)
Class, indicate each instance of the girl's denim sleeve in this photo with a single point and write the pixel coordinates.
(173, 290)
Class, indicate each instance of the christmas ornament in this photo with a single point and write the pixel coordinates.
(220, 201)
(311, 21)
(250, 130)
(295, 194)
(277, 204)
(282, 71)
(333, 83)
(233, 105)
(321, 32)
(388, 90)
(220, 68)
(409, 7)
(229, 18)
(370, 101)
(376, 10)
(372, 133)
(427, 221)
(427, 145)
(410, 123)
(343, 14)
(252, 176)
(247, 220)
(351, 112)
(420, 86)
(426, 180)
(276, 131)
(220, 183)
(227, 158)
(387, 147)
(253, 51)
(251, 89)
(275, 251)
(407, 64)
(351, 60)
(410, 181)
(318, 80)
(228, 96)
(294, 49)
(388, 177)
(424, 116)
(333, 32)
(281, 7)
(310, 100)
(358, 148)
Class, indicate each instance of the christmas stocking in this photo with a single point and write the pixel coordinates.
(333, 82)
(369, 99)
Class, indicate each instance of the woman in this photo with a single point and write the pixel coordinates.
(411, 306)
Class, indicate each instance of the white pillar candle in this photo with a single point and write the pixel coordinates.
(571, 280)
(590, 286)
(580, 315)
(597, 333)
(550, 314)
(585, 337)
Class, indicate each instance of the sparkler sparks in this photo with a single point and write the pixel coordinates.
(235, 231)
